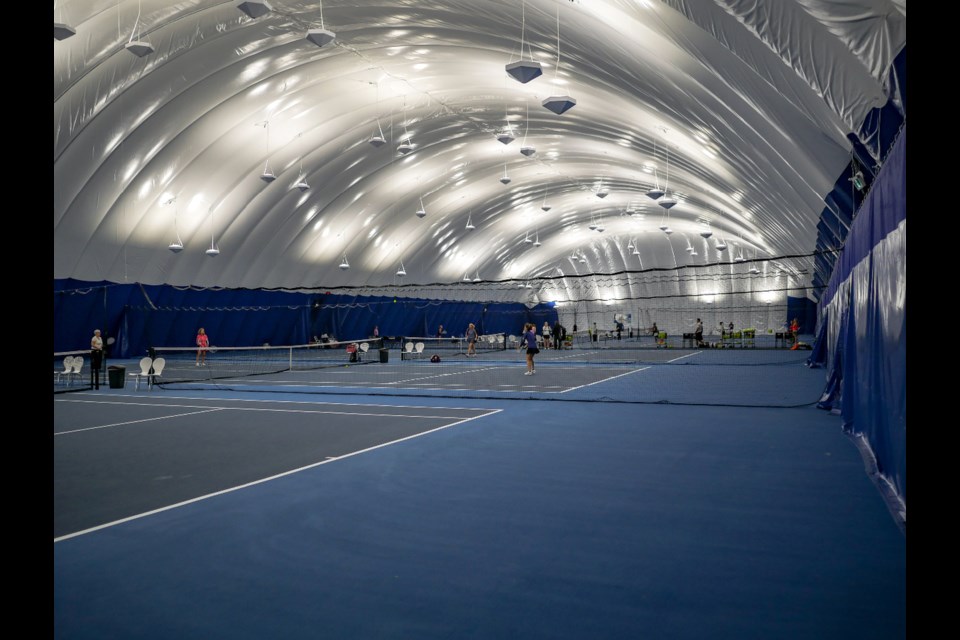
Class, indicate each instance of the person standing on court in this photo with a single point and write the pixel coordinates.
(203, 343)
(530, 339)
(698, 333)
(557, 334)
(96, 358)
(546, 334)
(471, 336)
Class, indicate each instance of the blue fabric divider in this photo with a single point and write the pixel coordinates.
(143, 316)
(864, 310)
(873, 141)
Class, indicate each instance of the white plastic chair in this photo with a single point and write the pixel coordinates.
(144, 372)
(418, 348)
(408, 350)
(67, 369)
(158, 366)
(77, 369)
(364, 347)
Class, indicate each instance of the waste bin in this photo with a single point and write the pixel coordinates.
(117, 376)
(384, 355)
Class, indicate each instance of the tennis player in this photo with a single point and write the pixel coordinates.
(203, 343)
(471, 336)
(530, 338)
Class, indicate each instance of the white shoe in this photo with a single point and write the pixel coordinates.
(528, 373)
(198, 364)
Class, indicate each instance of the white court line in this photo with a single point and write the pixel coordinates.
(695, 353)
(443, 375)
(305, 411)
(599, 381)
(120, 424)
(152, 396)
(273, 477)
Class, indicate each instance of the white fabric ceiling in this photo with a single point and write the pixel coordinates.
(751, 99)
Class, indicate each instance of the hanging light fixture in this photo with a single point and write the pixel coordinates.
(470, 225)
(177, 245)
(505, 135)
(666, 201)
(321, 36)
(421, 212)
(139, 48)
(562, 103)
(601, 191)
(636, 251)
(537, 242)
(583, 259)
(545, 207)
(377, 140)
(505, 179)
(706, 233)
(267, 175)
(255, 8)
(476, 278)
(655, 192)
(344, 265)
(61, 30)
(524, 71)
(302, 180)
(213, 251)
(401, 271)
(405, 146)
(466, 277)
(527, 149)
(630, 245)
(527, 239)
(721, 245)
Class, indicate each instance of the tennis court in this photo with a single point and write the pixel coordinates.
(244, 514)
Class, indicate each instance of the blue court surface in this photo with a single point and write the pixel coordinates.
(245, 515)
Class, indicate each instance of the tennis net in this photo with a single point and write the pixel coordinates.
(174, 365)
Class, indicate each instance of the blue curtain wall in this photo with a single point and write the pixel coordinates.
(863, 324)
(142, 316)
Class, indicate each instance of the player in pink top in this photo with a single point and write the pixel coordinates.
(203, 343)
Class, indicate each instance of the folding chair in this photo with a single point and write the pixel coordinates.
(145, 363)
(67, 369)
(77, 369)
(158, 366)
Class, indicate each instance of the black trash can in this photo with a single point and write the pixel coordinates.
(117, 375)
(384, 355)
